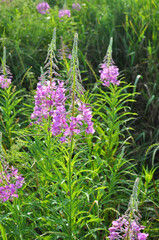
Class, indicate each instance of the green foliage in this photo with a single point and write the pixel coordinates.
(11, 110)
(4, 236)
(112, 111)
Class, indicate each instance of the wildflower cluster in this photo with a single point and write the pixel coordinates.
(109, 74)
(43, 7)
(124, 228)
(4, 81)
(80, 122)
(10, 181)
(50, 103)
(5, 74)
(127, 226)
(48, 97)
(76, 6)
(64, 12)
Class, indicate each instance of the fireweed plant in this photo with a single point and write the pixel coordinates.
(10, 183)
(110, 98)
(10, 180)
(62, 119)
(80, 171)
(127, 226)
(111, 106)
(51, 102)
(83, 177)
(64, 12)
(43, 8)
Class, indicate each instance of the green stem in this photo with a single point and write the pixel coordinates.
(49, 119)
(70, 188)
(70, 156)
(111, 121)
(8, 115)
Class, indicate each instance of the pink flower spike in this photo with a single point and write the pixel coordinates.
(142, 236)
(43, 8)
(10, 182)
(64, 12)
(4, 82)
(109, 74)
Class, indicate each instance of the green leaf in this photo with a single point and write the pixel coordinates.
(3, 233)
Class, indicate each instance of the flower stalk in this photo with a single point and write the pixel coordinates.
(74, 56)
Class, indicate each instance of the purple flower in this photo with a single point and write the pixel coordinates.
(76, 6)
(50, 102)
(109, 74)
(10, 182)
(64, 12)
(113, 235)
(53, 106)
(4, 81)
(142, 236)
(43, 7)
(124, 228)
(69, 56)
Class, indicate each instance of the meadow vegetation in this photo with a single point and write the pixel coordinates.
(79, 120)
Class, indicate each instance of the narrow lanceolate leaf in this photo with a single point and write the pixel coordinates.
(3, 233)
(1, 150)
